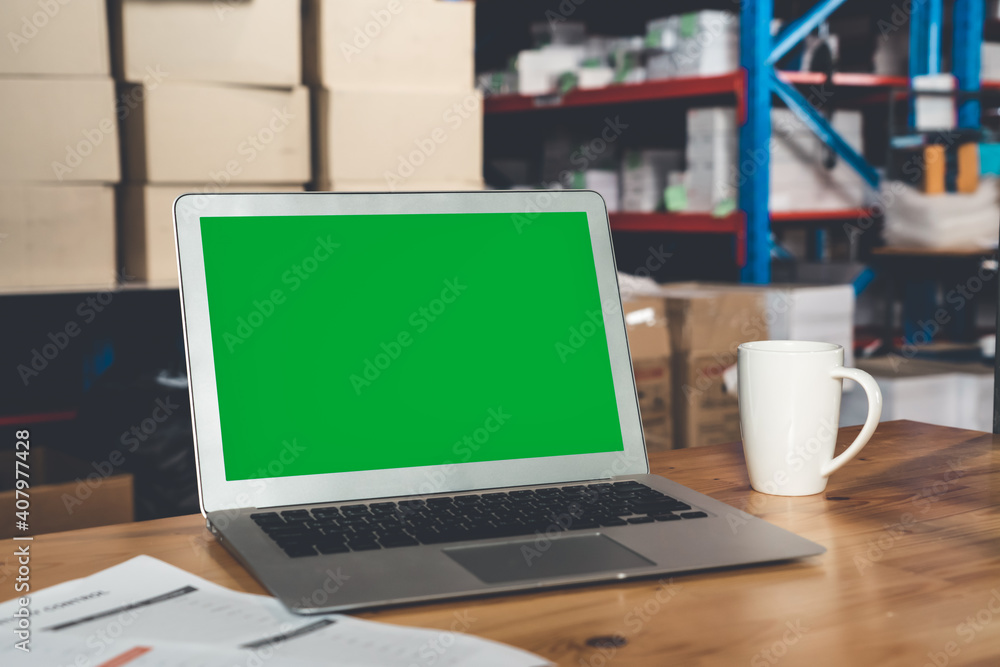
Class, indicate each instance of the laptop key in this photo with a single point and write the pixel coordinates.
(640, 519)
(613, 521)
(667, 517)
(364, 546)
(295, 513)
(582, 525)
(299, 550)
(332, 548)
(693, 515)
(397, 541)
(326, 512)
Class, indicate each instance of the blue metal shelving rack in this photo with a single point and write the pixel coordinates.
(758, 55)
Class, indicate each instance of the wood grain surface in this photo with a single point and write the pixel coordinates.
(911, 575)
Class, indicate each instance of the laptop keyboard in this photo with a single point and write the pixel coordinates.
(444, 519)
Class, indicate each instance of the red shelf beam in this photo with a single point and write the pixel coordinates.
(38, 418)
(706, 223)
(686, 223)
(725, 84)
(800, 216)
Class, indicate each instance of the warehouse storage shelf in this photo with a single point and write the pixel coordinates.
(688, 87)
(685, 223)
(794, 217)
(753, 88)
(733, 223)
(699, 86)
(701, 223)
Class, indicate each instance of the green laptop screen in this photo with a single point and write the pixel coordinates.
(361, 342)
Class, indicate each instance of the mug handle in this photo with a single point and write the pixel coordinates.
(868, 383)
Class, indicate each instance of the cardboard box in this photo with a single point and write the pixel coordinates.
(649, 346)
(216, 135)
(646, 326)
(707, 323)
(705, 319)
(371, 44)
(705, 413)
(224, 41)
(779, 310)
(653, 379)
(57, 236)
(146, 228)
(65, 494)
(54, 38)
(399, 137)
(58, 130)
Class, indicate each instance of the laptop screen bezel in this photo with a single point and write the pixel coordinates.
(217, 493)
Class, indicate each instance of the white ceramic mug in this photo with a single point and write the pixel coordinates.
(789, 394)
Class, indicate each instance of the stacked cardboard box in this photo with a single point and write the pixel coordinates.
(649, 345)
(799, 178)
(707, 323)
(59, 146)
(210, 99)
(386, 119)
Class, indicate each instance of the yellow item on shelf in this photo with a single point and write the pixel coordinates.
(968, 168)
(934, 170)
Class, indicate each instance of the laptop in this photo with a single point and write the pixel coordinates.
(406, 397)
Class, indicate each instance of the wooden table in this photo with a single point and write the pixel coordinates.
(912, 575)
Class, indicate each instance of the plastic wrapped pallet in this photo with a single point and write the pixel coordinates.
(948, 220)
(799, 178)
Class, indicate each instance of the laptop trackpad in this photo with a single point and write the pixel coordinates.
(543, 559)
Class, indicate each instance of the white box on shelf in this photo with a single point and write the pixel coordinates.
(937, 111)
(538, 71)
(644, 177)
(799, 178)
(594, 77)
(602, 181)
(255, 42)
(58, 130)
(990, 61)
